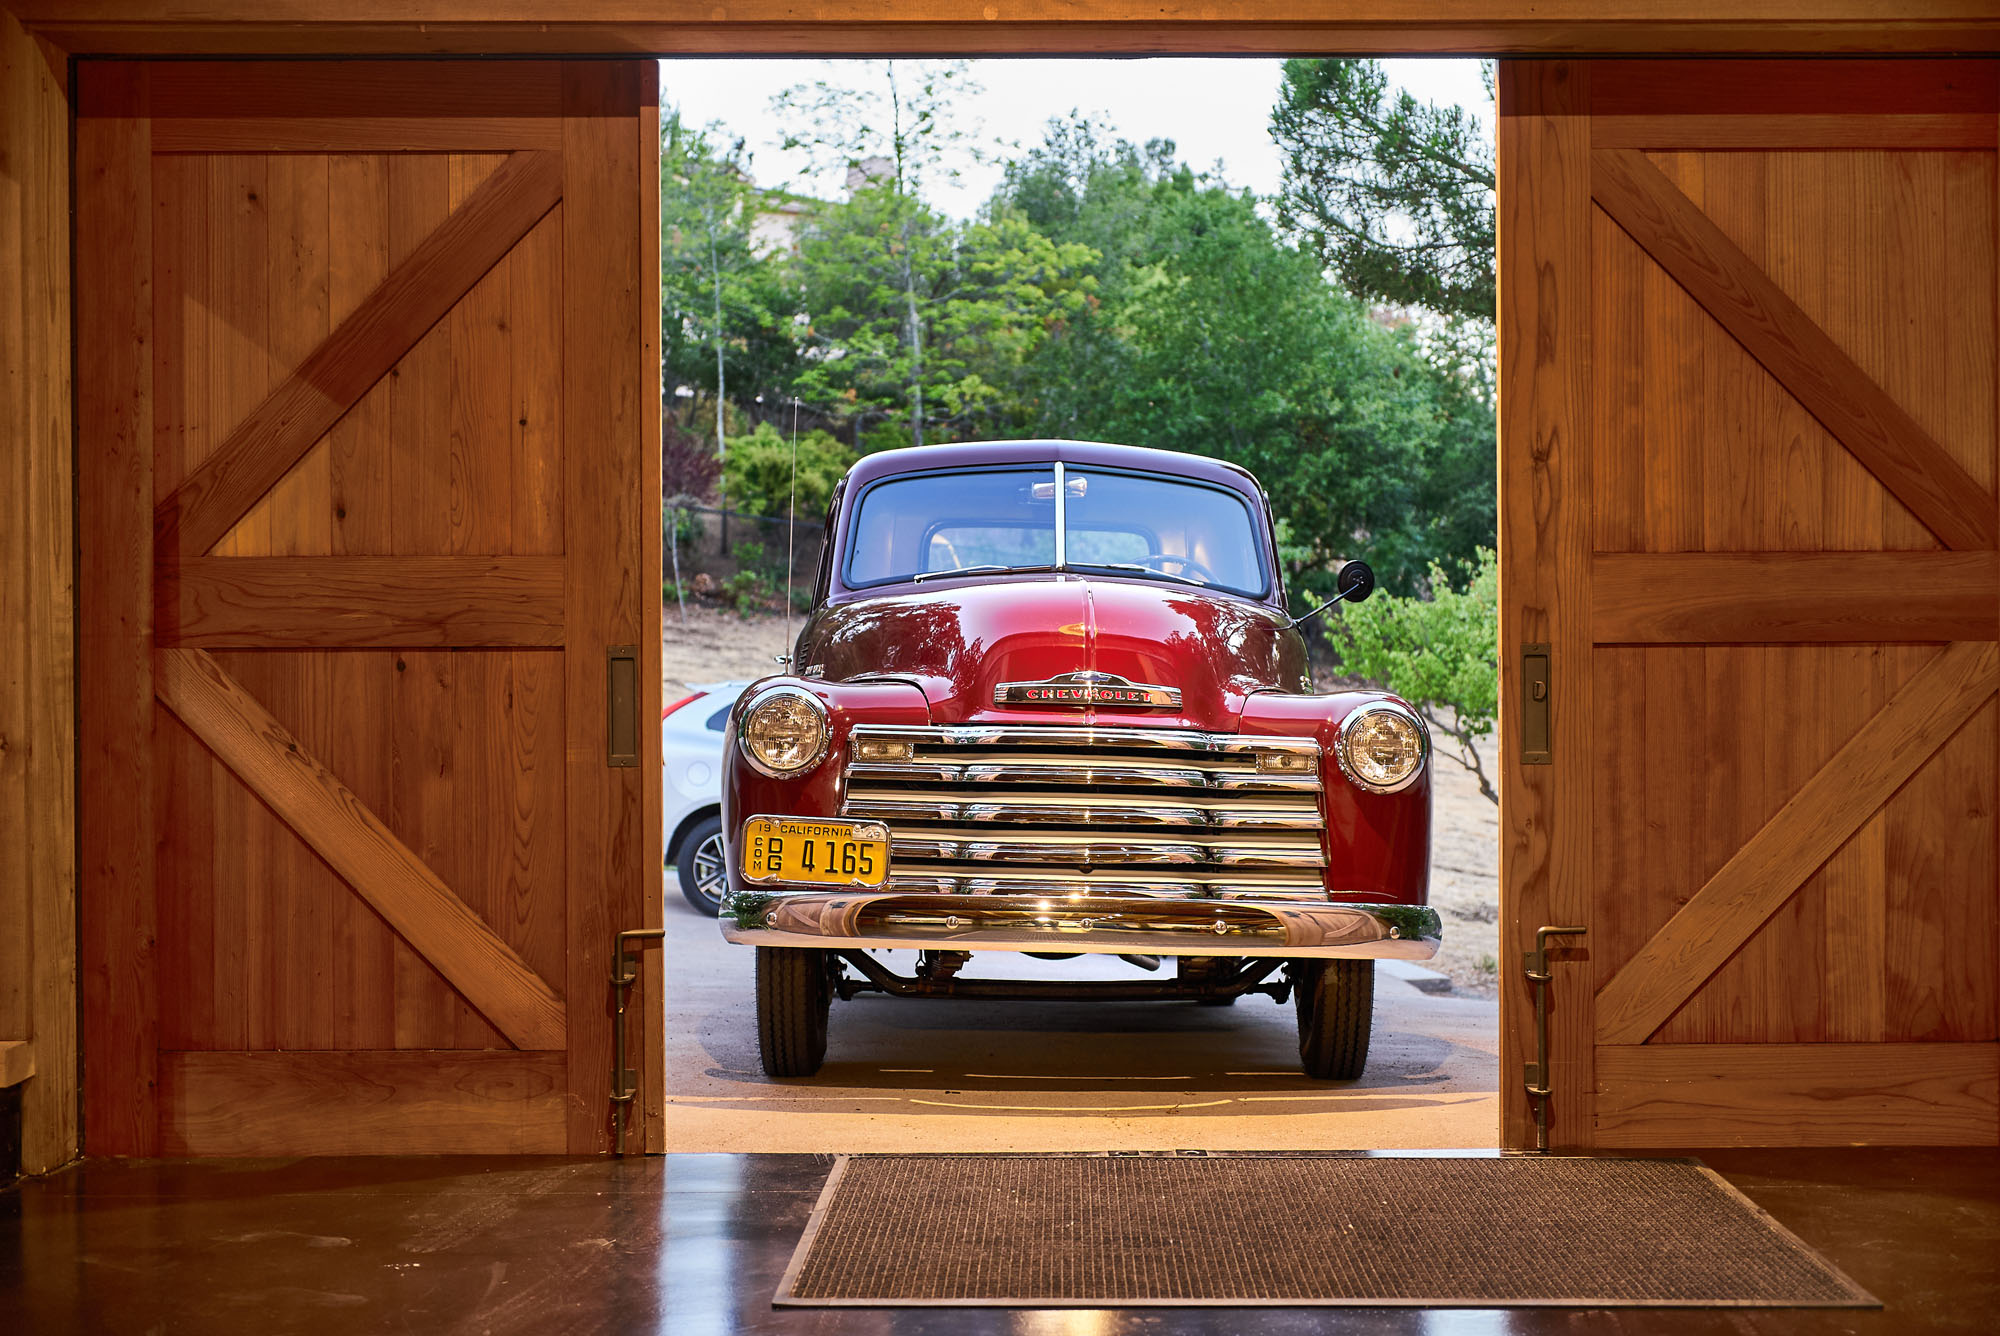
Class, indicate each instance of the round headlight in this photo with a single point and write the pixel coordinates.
(1382, 747)
(784, 731)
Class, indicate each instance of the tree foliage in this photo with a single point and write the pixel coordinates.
(759, 471)
(1441, 654)
(1395, 196)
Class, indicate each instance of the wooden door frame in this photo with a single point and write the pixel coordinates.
(40, 39)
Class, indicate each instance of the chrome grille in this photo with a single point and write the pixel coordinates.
(1115, 811)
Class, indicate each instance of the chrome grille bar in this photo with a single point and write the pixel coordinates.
(1092, 810)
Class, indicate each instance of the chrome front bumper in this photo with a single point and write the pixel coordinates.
(1079, 923)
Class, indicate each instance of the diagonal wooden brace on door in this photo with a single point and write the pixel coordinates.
(1800, 356)
(1823, 815)
(389, 322)
(338, 827)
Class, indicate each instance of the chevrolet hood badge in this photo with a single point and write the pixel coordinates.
(1082, 689)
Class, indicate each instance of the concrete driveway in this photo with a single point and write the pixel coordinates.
(908, 1075)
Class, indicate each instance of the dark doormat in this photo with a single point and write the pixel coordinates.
(1282, 1230)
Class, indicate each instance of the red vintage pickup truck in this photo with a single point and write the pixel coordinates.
(1049, 700)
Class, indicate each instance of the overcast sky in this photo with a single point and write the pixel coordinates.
(1213, 109)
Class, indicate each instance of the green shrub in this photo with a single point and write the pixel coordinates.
(758, 471)
(1441, 654)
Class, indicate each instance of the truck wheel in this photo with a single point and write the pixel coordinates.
(793, 997)
(698, 860)
(1336, 1002)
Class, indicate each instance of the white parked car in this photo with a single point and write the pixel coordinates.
(691, 759)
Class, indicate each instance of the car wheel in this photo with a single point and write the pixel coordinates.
(698, 860)
(794, 994)
(1336, 1002)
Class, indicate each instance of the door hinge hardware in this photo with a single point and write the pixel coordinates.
(1535, 1075)
(625, 949)
(1535, 693)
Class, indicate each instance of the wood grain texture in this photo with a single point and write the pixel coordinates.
(1935, 130)
(114, 616)
(354, 842)
(360, 602)
(954, 28)
(17, 1062)
(38, 886)
(1822, 814)
(1798, 1095)
(1770, 325)
(362, 1103)
(224, 486)
(609, 500)
(1544, 489)
(652, 1103)
(1766, 597)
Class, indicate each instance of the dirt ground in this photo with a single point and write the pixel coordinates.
(715, 645)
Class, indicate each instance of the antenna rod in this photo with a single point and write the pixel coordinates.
(791, 533)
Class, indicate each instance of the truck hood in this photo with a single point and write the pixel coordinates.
(960, 644)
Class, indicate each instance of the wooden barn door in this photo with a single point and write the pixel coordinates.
(1748, 379)
(368, 463)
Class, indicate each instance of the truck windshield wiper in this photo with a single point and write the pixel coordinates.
(986, 568)
(1136, 569)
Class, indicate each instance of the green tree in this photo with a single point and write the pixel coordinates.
(913, 316)
(1441, 654)
(1207, 332)
(1395, 196)
(724, 315)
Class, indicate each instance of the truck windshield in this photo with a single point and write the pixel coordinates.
(1000, 520)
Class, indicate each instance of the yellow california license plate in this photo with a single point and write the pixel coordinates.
(818, 853)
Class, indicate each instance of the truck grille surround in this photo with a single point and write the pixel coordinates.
(1005, 810)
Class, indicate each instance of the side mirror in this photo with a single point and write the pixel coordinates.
(1354, 582)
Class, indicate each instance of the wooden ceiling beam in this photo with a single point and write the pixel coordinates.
(1011, 27)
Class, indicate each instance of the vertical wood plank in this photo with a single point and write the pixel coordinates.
(239, 371)
(535, 347)
(37, 775)
(364, 947)
(420, 499)
(115, 612)
(1544, 270)
(652, 1069)
(297, 215)
(481, 441)
(606, 309)
(422, 814)
(358, 447)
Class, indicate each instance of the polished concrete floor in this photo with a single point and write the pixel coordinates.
(694, 1245)
(1068, 1076)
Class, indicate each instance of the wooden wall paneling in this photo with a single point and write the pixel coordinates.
(1671, 344)
(952, 27)
(364, 946)
(297, 214)
(185, 885)
(325, 813)
(534, 348)
(480, 444)
(239, 371)
(1544, 270)
(358, 446)
(1798, 1094)
(606, 402)
(443, 261)
(1821, 814)
(363, 1103)
(38, 871)
(358, 602)
(424, 813)
(420, 383)
(651, 1108)
(1807, 597)
(114, 589)
(1726, 283)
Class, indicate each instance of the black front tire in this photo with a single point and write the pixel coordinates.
(1336, 1003)
(698, 861)
(794, 994)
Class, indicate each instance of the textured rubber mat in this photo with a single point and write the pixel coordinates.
(1117, 1230)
